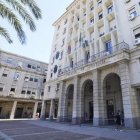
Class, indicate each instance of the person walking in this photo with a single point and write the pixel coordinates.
(118, 121)
(122, 119)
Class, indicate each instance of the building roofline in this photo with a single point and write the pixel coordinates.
(23, 57)
(64, 13)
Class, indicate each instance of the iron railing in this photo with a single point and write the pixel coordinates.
(93, 58)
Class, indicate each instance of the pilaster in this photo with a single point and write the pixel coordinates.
(13, 110)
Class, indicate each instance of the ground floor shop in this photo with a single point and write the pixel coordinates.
(17, 109)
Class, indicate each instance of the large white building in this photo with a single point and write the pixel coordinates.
(94, 68)
(21, 86)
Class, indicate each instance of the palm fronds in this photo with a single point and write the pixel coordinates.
(4, 33)
(8, 10)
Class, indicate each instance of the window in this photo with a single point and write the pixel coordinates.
(100, 15)
(33, 93)
(110, 9)
(99, 2)
(12, 89)
(64, 31)
(137, 32)
(29, 66)
(92, 20)
(87, 56)
(61, 56)
(31, 79)
(44, 81)
(35, 80)
(84, 12)
(9, 60)
(42, 93)
(49, 88)
(28, 92)
(63, 42)
(51, 75)
(16, 76)
(91, 6)
(65, 21)
(78, 18)
(71, 62)
(53, 59)
(57, 55)
(108, 46)
(5, 73)
(69, 49)
(1, 89)
(55, 68)
(33, 67)
(57, 87)
(26, 78)
(23, 92)
(133, 12)
(38, 68)
(58, 27)
(46, 69)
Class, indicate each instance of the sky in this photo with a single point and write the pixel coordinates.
(39, 43)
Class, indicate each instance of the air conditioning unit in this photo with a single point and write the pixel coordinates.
(11, 94)
(19, 64)
(126, 1)
(131, 17)
(26, 79)
(137, 41)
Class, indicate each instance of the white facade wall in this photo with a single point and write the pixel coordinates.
(95, 23)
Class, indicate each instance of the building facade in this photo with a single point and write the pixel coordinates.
(21, 86)
(94, 68)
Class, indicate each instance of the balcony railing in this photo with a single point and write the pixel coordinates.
(93, 58)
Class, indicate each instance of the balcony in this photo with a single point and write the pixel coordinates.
(118, 52)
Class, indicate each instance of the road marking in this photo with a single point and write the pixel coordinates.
(34, 134)
(5, 136)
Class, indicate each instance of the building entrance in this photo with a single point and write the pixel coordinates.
(113, 97)
(87, 102)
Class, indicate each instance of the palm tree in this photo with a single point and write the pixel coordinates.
(8, 10)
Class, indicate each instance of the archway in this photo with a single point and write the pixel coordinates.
(112, 96)
(87, 102)
(69, 103)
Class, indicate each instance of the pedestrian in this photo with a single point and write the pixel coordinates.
(122, 118)
(118, 121)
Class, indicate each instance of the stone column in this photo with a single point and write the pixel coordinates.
(98, 99)
(12, 115)
(127, 95)
(75, 114)
(61, 104)
(51, 114)
(43, 110)
(35, 110)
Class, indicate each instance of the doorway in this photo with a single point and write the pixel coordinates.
(19, 112)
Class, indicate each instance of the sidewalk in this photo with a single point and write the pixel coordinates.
(89, 130)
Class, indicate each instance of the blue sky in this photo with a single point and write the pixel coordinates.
(39, 43)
